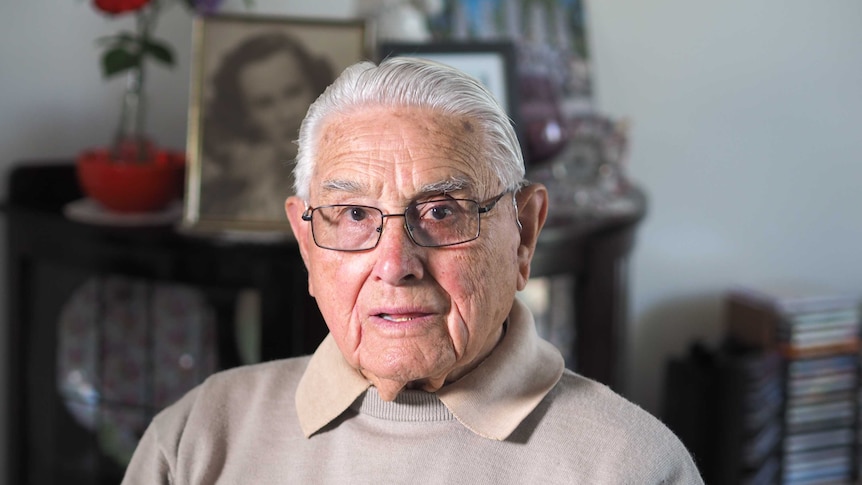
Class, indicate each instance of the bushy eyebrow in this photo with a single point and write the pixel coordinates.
(336, 185)
(453, 184)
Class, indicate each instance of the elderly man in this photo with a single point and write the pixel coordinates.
(417, 230)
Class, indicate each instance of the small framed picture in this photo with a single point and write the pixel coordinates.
(492, 63)
(253, 80)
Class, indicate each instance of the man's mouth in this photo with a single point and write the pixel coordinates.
(397, 318)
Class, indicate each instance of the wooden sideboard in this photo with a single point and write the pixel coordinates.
(592, 251)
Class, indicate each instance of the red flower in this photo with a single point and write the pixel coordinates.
(119, 6)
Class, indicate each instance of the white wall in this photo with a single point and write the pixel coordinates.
(747, 135)
(746, 132)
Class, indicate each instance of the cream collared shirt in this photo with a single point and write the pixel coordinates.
(490, 401)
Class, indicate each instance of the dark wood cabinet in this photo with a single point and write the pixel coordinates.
(46, 446)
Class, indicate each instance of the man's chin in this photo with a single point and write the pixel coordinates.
(389, 389)
(390, 379)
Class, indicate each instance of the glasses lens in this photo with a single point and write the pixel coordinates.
(443, 222)
(346, 227)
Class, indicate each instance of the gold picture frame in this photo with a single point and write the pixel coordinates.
(253, 79)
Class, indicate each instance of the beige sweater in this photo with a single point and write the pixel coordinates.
(531, 422)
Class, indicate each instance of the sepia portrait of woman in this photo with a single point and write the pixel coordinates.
(260, 92)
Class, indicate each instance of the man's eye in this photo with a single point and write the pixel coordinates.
(441, 212)
(438, 211)
(358, 213)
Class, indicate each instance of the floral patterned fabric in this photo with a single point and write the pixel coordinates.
(128, 348)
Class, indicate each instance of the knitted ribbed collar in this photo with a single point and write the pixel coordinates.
(490, 401)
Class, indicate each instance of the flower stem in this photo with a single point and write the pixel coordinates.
(131, 142)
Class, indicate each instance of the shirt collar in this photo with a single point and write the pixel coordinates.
(327, 388)
(490, 401)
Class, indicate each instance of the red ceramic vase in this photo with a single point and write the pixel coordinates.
(132, 186)
(115, 7)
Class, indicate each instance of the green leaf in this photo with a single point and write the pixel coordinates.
(161, 51)
(117, 60)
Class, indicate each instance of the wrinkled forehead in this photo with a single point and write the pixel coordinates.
(380, 151)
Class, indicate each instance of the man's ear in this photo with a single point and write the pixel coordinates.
(532, 212)
(294, 208)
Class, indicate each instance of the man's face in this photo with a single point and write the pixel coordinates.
(277, 94)
(406, 315)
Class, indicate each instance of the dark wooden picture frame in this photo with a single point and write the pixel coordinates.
(492, 63)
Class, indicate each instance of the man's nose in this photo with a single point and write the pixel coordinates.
(398, 257)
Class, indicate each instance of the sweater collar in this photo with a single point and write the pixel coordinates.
(490, 401)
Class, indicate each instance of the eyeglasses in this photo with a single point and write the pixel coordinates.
(432, 224)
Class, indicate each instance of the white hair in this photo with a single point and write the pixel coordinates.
(408, 81)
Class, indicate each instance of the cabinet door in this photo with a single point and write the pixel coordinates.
(104, 354)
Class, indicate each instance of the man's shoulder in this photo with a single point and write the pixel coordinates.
(266, 374)
(588, 415)
(239, 387)
(591, 404)
(229, 410)
(591, 395)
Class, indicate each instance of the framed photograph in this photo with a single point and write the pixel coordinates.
(253, 80)
(492, 63)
